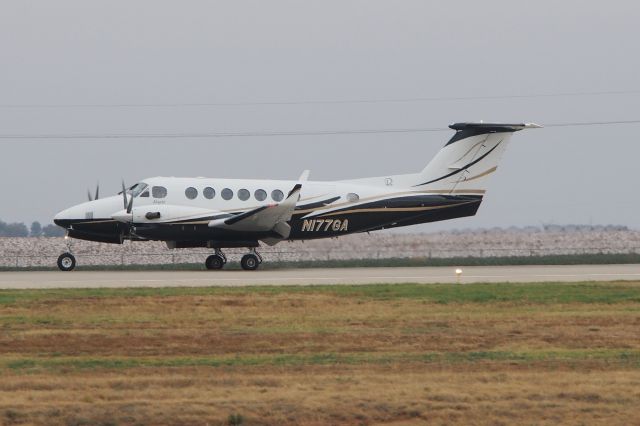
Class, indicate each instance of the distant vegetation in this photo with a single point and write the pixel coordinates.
(19, 229)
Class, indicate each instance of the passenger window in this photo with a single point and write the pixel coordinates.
(209, 192)
(277, 195)
(227, 194)
(243, 194)
(145, 194)
(159, 192)
(191, 192)
(260, 194)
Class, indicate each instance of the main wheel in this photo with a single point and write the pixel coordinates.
(214, 261)
(249, 262)
(66, 262)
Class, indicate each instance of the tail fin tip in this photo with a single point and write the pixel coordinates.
(494, 127)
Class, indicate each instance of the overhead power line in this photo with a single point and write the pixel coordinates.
(323, 101)
(593, 123)
(205, 135)
(219, 134)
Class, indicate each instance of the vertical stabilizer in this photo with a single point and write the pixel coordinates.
(469, 158)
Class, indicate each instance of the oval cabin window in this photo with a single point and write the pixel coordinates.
(191, 192)
(243, 194)
(209, 193)
(226, 194)
(159, 192)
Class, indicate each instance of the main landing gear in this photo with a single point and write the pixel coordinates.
(216, 261)
(249, 261)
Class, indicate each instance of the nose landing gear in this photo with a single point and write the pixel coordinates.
(66, 262)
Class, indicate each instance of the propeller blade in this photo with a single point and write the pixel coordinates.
(89, 195)
(130, 205)
(124, 195)
(97, 191)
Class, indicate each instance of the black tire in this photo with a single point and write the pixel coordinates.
(66, 262)
(214, 262)
(249, 262)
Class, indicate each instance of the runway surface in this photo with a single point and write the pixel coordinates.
(332, 276)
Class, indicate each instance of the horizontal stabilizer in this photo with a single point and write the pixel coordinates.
(494, 127)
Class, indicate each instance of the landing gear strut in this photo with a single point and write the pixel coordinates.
(251, 261)
(216, 261)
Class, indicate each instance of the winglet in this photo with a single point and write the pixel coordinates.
(304, 176)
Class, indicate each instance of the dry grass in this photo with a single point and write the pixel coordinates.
(321, 356)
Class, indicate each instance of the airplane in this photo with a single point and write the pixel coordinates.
(235, 213)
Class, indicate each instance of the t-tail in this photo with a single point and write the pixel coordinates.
(467, 161)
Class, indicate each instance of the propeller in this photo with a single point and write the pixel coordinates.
(97, 193)
(124, 195)
(127, 217)
(128, 205)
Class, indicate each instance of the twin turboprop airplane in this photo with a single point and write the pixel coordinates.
(227, 213)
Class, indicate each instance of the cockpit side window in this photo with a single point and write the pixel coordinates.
(138, 188)
(159, 192)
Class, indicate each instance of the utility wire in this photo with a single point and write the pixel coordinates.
(593, 123)
(220, 134)
(322, 101)
(206, 135)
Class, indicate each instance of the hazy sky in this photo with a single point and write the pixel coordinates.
(176, 52)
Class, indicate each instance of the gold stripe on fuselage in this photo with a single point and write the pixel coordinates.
(394, 209)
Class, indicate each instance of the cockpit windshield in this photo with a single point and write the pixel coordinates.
(137, 189)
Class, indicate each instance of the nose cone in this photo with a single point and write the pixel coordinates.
(66, 217)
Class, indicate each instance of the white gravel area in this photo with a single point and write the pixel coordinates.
(381, 245)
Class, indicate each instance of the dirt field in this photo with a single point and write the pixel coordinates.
(386, 354)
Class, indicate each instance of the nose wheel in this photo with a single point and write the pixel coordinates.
(66, 262)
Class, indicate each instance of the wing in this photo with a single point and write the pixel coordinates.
(272, 217)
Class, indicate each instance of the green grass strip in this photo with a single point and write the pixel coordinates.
(524, 293)
(629, 358)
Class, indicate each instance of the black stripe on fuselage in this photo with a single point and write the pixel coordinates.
(416, 201)
(377, 216)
